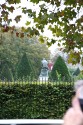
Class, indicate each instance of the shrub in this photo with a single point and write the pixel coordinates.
(77, 72)
(80, 76)
(60, 69)
(6, 74)
(31, 101)
(71, 70)
(24, 68)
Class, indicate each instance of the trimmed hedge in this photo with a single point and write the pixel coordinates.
(31, 101)
(24, 68)
(60, 70)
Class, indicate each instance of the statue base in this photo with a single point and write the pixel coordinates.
(43, 75)
(41, 78)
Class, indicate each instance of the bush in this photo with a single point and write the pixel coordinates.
(6, 74)
(60, 70)
(79, 77)
(33, 101)
(77, 72)
(71, 71)
(24, 68)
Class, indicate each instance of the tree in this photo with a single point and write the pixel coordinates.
(24, 67)
(60, 70)
(12, 49)
(6, 73)
(77, 72)
(62, 17)
(79, 76)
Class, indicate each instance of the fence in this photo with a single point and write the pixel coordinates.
(34, 99)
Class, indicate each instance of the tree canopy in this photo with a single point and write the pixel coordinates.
(13, 48)
(64, 18)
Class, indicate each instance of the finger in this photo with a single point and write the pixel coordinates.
(76, 104)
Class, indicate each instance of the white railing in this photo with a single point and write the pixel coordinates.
(31, 121)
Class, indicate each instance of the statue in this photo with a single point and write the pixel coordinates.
(44, 64)
(44, 71)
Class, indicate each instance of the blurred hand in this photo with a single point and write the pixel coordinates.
(74, 116)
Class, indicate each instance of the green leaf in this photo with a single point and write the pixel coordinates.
(11, 9)
(24, 10)
(17, 1)
(9, 20)
(35, 1)
(28, 23)
(13, 1)
(41, 39)
(70, 2)
(17, 18)
(49, 44)
(74, 57)
(42, 5)
(52, 41)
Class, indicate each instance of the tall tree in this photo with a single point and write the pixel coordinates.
(62, 17)
(60, 70)
(12, 49)
(24, 67)
(6, 73)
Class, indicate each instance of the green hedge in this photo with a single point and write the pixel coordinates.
(33, 101)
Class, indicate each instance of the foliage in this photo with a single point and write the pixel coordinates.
(60, 70)
(77, 72)
(12, 49)
(58, 76)
(24, 67)
(80, 76)
(32, 101)
(63, 18)
(71, 70)
(6, 74)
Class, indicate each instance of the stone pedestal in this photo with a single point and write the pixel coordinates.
(43, 75)
(43, 78)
